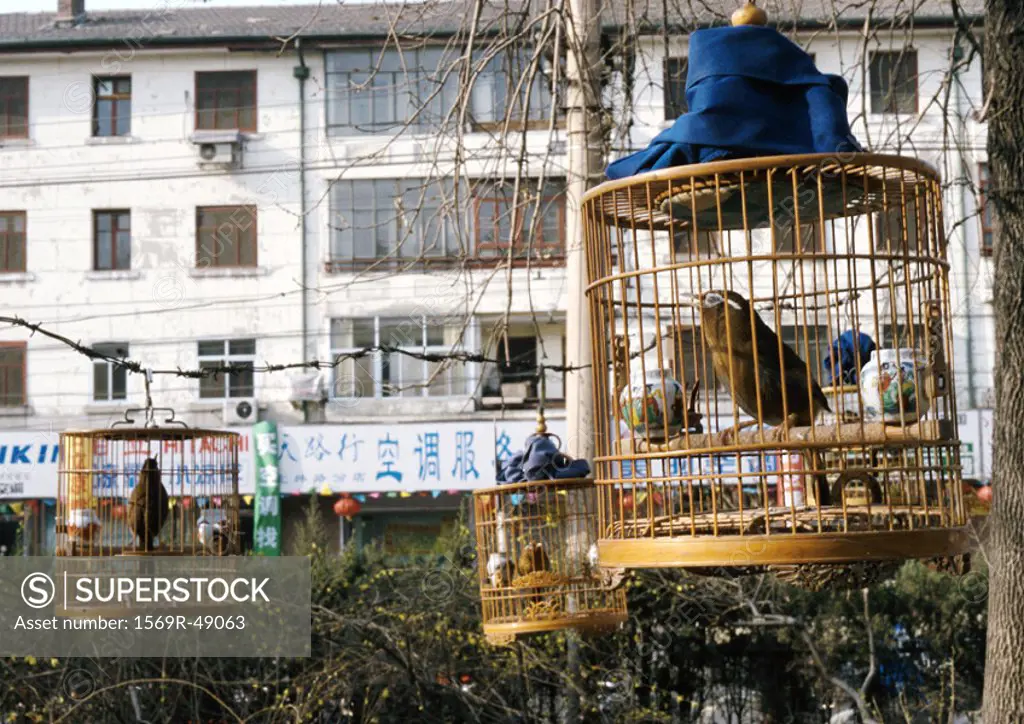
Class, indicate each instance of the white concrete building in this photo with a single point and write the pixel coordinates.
(177, 186)
(110, 206)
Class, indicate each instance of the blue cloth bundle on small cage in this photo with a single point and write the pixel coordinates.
(541, 460)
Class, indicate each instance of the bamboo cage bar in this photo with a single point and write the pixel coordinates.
(536, 543)
(736, 397)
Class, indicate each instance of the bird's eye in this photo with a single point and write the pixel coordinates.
(713, 299)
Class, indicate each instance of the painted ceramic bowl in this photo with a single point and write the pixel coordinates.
(889, 388)
(651, 400)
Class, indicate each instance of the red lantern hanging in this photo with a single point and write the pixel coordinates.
(347, 507)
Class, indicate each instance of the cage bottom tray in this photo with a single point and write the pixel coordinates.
(506, 628)
(780, 536)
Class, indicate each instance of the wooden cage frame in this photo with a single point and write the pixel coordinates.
(79, 476)
(895, 488)
(564, 588)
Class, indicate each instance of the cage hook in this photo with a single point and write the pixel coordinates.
(149, 411)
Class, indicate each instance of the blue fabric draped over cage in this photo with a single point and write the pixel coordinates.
(750, 92)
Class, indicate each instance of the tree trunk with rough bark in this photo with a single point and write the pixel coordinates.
(1004, 61)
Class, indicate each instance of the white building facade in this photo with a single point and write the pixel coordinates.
(202, 194)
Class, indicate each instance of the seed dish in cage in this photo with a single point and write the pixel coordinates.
(798, 474)
(537, 541)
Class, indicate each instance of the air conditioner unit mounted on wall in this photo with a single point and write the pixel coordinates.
(240, 411)
(218, 149)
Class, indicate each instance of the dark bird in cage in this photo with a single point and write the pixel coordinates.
(147, 506)
(725, 318)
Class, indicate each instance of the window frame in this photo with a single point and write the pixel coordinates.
(417, 389)
(987, 239)
(5, 242)
(115, 99)
(251, 209)
(670, 100)
(5, 99)
(224, 359)
(888, 103)
(115, 229)
(23, 347)
(111, 369)
(251, 128)
(546, 251)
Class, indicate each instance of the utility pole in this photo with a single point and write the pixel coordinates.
(582, 35)
(585, 166)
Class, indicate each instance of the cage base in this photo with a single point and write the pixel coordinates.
(783, 549)
(508, 631)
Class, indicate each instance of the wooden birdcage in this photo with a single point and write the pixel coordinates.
(700, 278)
(536, 543)
(132, 493)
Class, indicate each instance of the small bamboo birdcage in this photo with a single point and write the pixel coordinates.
(736, 280)
(538, 561)
(126, 494)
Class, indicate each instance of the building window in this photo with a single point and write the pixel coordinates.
(517, 363)
(112, 240)
(226, 100)
(225, 236)
(674, 71)
(893, 77)
(112, 111)
(389, 222)
(12, 374)
(374, 91)
(504, 221)
(110, 379)
(500, 98)
(899, 224)
(14, 107)
(903, 336)
(216, 354)
(385, 373)
(687, 358)
(818, 344)
(985, 210)
(12, 241)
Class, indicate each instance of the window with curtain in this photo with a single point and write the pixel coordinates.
(370, 90)
(110, 379)
(509, 89)
(531, 223)
(112, 240)
(394, 222)
(387, 372)
(893, 81)
(219, 353)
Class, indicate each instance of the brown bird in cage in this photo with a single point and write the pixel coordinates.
(533, 559)
(725, 318)
(147, 506)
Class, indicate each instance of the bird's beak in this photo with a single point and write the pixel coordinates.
(689, 300)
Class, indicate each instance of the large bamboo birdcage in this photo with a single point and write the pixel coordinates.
(712, 452)
(536, 543)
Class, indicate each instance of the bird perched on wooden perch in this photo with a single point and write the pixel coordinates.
(732, 331)
(147, 505)
(533, 559)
